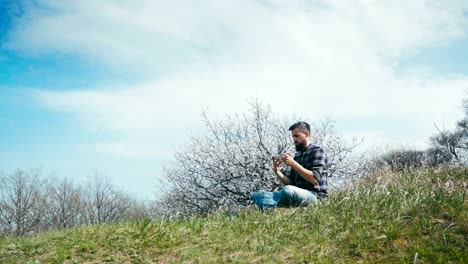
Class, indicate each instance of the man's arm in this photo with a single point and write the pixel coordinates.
(308, 175)
(276, 168)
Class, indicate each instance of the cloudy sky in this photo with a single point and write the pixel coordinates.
(116, 87)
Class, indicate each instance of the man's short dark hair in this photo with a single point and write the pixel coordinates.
(301, 125)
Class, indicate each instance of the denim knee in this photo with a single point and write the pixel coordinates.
(287, 191)
(294, 196)
(265, 199)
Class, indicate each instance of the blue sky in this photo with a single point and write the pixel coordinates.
(116, 87)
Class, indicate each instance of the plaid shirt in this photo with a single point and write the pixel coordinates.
(315, 159)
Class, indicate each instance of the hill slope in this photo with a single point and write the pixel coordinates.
(415, 217)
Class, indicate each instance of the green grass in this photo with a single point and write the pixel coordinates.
(414, 217)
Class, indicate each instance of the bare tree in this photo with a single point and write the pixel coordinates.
(103, 203)
(221, 169)
(65, 203)
(139, 210)
(23, 202)
(30, 203)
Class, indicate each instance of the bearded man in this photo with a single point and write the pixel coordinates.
(307, 180)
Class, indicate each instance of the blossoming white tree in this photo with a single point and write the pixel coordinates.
(220, 169)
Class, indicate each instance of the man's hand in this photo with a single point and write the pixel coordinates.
(288, 159)
(276, 164)
(278, 173)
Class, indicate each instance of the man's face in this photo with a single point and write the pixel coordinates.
(300, 138)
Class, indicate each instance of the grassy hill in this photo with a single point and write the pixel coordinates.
(419, 216)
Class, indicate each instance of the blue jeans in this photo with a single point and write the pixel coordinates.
(288, 196)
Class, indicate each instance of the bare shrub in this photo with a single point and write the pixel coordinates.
(399, 159)
(451, 147)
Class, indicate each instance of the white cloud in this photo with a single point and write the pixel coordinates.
(154, 32)
(327, 58)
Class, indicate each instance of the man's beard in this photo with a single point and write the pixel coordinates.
(300, 146)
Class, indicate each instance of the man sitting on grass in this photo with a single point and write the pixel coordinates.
(308, 178)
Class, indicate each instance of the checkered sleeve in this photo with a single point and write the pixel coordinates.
(318, 162)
